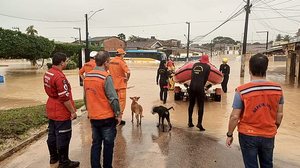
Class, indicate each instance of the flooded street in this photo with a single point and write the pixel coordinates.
(146, 146)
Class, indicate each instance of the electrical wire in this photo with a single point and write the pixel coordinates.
(39, 20)
(279, 12)
(227, 20)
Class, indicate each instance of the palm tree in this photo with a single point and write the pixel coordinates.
(31, 31)
(122, 36)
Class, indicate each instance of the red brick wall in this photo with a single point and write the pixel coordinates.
(112, 44)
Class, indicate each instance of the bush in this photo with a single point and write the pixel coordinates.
(71, 65)
(16, 122)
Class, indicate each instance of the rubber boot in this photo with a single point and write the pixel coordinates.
(64, 161)
(53, 153)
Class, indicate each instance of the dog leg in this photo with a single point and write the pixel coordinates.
(132, 116)
(163, 125)
(140, 119)
(158, 122)
(137, 119)
(170, 125)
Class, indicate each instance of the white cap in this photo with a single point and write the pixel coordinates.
(93, 54)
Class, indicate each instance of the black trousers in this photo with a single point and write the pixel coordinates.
(59, 136)
(199, 96)
(224, 83)
(163, 92)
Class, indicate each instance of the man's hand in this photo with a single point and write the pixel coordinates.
(229, 141)
(119, 119)
(73, 116)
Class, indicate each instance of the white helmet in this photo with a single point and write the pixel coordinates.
(93, 54)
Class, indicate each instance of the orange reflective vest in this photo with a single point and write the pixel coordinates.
(98, 105)
(261, 100)
(117, 69)
(87, 67)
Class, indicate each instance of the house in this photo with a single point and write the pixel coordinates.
(143, 44)
(292, 50)
(109, 43)
(172, 43)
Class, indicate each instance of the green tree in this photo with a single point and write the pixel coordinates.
(278, 37)
(17, 45)
(286, 38)
(223, 40)
(122, 36)
(31, 31)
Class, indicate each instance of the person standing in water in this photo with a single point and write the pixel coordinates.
(225, 69)
(162, 79)
(257, 112)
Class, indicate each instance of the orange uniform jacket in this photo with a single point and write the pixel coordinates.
(87, 67)
(58, 89)
(98, 105)
(261, 100)
(117, 69)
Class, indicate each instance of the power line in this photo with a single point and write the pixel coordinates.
(279, 12)
(39, 20)
(227, 20)
(265, 24)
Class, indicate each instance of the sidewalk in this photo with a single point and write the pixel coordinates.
(143, 146)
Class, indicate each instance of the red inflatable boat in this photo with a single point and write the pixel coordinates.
(184, 73)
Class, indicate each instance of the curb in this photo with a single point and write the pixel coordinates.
(35, 137)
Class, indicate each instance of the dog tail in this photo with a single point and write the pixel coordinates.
(170, 108)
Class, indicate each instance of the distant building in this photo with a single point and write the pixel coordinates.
(109, 43)
(147, 44)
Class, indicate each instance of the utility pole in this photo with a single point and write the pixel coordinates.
(267, 42)
(87, 53)
(188, 42)
(79, 29)
(247, 8)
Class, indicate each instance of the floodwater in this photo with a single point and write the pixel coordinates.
(147, 146)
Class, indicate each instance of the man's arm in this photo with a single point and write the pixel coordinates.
(279, 115)
(233, 122)
(127, 74)
(71, 109)
(234, 117)
(112, 96)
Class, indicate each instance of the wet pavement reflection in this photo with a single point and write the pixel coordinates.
(147, 145)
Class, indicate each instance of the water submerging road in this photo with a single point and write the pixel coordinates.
(146, 146)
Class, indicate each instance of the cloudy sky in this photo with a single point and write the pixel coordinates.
(164, 19)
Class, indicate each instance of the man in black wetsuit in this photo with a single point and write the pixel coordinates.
(225, 69)
(200, 74)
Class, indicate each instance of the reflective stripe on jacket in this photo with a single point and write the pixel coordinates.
(98, 105)
(58, 89)
(261, 100)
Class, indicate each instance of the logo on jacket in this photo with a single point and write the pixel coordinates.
(198, 69)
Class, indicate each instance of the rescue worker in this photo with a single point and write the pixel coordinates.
(103, 110)
(200, 72)
(162, 78)
(225, 69)
(87, 67)
(61, 111)
(120, 74)
(171, 69)
(257, 112)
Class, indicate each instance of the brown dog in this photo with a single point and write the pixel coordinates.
(137, 109)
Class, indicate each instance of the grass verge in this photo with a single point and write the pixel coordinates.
(16, 123)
